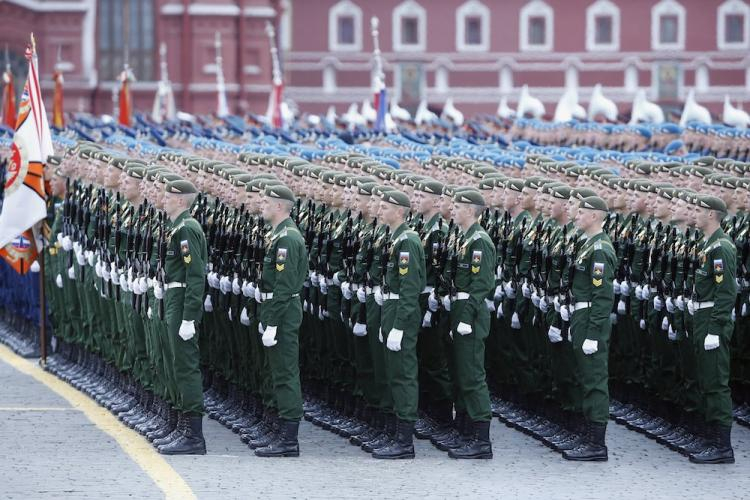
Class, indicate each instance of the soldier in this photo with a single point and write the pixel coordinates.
(590, 326)
(714, 295)
(284, 272)
(185, 268)
(404, 280)
(470, 322)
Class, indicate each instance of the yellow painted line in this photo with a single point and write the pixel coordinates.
(18, 408)
(132, 443)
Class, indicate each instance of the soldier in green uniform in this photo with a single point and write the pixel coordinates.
(470, 322)
(282, 278)
(714, 296)
(404, 281)
(185, 275)
(590, 325)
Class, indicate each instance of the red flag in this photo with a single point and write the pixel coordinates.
(21, 252)
(9, 100)
(126, 105)
(58, 120)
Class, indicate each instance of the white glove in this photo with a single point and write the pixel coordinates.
(379, 297)
(432, 302)
(499, 293)
(745, 310)
(143, 284)
(734, 316)
(691, 307)
(258, 295)
(670, 305)
(565, 313)
(158, 291)
(622, 308)
(490, 305)
(58, 281)
(616, 287)
(672, 335)
(115, 277)
(427, 319)
(244, 318)
(642, 324)
(77, 247)
(590, 346)
(208, 306)
(711, 342)
(236, 288)
(463, 329)
(515, 322)
(543, 304)
(556, 303)
(34, 268)
(394, 339)
(81, 259)
(639, 292)
(67, 244)
(59, 238)
(380, 335)
(247, 289)
(269, 336)
(124, 283)
(306, 306)
(554, 334)
(187, 330)
(509, 292)
(336, 280)
(150, 313)
(658, 303)
(225, 285)
(321, 314)
(90, 257)
(535, 299)
(665, 324)
(314, 278)
(346, 291)
(136, 286)
(212, 280)
(500, 313)
(260, 328)
(526, 290)
(105, 273)
(323, 286)
(229, 314)
(359, 330)
(624, 288)
(680, 303)
(71, 273)
(362, 295)
(98, 269)
(646, 292)
(447, 302)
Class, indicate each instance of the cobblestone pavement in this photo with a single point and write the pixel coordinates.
(50, 449)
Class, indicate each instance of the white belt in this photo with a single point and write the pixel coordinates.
(428, 289)
(371, 290)
(269, 295)
(354, 287)
(390, 296)
(461, 296)
(697, 306)
(581, 305)
(175, 284)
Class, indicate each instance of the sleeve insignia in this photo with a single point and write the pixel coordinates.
(719, 278)
(596, 282)
(476, 260)
(718, 266)
(184, 247)
(188, 259)
(598, 269)
(281, 255)
(403, 263)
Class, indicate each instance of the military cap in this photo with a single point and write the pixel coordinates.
(328, 177)
(644, 168)
(119, 162)
(195, 165)
(561, 191)
(666, 192)
(487, 184)
(740, 167)
(704, 161)
(340, 178)
(469, 196)
(396, 198)
(365, 188)
(582, 192)
(279, 191)
(712, 203)
(135, 171)
(515, 185)
(379, 189)
(180, 186)
(701, 171)
(167, 176)
(594, 203)
(645, 187)
(431, 186)
(54, 160)
(727, 182)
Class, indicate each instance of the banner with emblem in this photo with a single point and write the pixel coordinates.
(25, 196)
(21, 252)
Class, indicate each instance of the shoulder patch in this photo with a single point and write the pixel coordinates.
(598, 245)
(598, 269)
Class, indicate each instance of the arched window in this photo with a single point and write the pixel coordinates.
(733, 25)
(345, 27)
(603, 26)
(114, 17)
(668, 26)
(537, 27)
(473, 27)
(409, 27)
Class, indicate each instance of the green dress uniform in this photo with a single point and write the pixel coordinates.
(185, 270)
(284, 273)
(593, 295)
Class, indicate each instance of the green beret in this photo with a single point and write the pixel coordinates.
(594, 203)
(487, 184)
(365, 188)
(645, 187)
(135, 171)
(712, 203)
(515, 185)
(701, 171)
(181, 186)
(470, 197)
(119, 162)
(54, 160)
(431, 186)
(562, 192)
(666, 192)
(397, 198)
(279, 191)
(582, 192)
(704, 161)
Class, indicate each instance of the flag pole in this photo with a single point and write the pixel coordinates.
(42, 307)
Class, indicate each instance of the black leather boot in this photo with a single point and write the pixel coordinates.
(190, 442)
(478, 446)
(285, 444)
(169, 426)
(593, 448)
(175, 433)
(719, 450)
(400, 447)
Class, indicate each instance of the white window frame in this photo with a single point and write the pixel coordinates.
(667, 8)
(505, 78)
(630, 78)
(473, 8)
(702, 78)
(727, 8)
(602, 8)
(409, 8)
(536, 8)
(344, 8)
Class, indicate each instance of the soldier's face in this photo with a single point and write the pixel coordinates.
(463, 214)
(510, 199)
(388, 213)
(572, 208)
(679, 210)
(556, 208)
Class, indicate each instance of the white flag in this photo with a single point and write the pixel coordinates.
(25, 197)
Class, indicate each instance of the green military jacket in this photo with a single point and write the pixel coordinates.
(185, 262)
(475, 274)
(405, 274)
(715, 278)
(592, 282)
